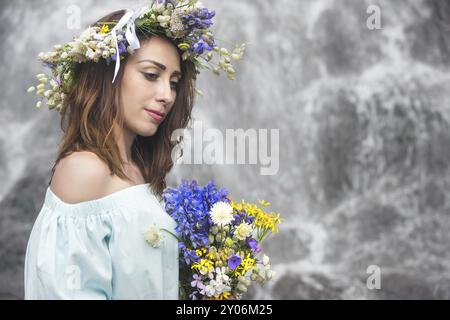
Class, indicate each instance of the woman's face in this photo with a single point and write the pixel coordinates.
(149, 86)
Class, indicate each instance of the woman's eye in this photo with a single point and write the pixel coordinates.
(174, 85)
(154, 76)
(150, 76)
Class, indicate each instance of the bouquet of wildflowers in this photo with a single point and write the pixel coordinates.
(220, 241)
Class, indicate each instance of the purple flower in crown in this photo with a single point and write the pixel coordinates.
(122, 50)
(205, 16)
(200, 19)
(58, 79)
(200, 46)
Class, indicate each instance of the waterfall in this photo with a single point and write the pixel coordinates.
(363, 119)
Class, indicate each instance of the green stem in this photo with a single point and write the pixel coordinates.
(171, 234)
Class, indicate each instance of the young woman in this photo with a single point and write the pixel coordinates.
(122, 88)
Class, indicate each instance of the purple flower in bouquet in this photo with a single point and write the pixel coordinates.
(197, 282)
(253, 243)
(234, 261)
(189, 255)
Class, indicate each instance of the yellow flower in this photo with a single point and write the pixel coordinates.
(224, 254)
(200, 251)
(212, 255)
(263, 219)
(104, 29)
(264, 222)
(204, 265)
(223, 296)
(236, 206)
(246, 264)
(264, 203)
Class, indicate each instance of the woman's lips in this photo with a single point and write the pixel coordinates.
(158, 116)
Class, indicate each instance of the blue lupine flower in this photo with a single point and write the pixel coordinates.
(234, 261)
(189, 206)
(189, 255)
(201, 19)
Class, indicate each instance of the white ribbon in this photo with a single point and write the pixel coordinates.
(128, 19)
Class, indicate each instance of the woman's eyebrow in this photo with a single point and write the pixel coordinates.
(161, 66)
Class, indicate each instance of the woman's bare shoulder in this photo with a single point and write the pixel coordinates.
(81, 176)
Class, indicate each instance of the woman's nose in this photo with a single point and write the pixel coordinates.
(164, 93)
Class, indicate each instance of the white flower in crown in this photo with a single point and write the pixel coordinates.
(158, 7)
(143, 11)
(221, 213)
(153, 236)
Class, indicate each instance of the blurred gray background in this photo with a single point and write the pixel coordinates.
(364, 137)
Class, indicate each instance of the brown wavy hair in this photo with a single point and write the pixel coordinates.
(92, 108)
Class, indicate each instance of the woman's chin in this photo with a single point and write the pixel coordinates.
(147, 132)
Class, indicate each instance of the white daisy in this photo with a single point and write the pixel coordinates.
(153, 236)
(221, 213)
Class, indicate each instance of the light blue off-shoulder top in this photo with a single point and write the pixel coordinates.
(97, 249)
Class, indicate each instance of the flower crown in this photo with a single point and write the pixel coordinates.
(186, 22)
